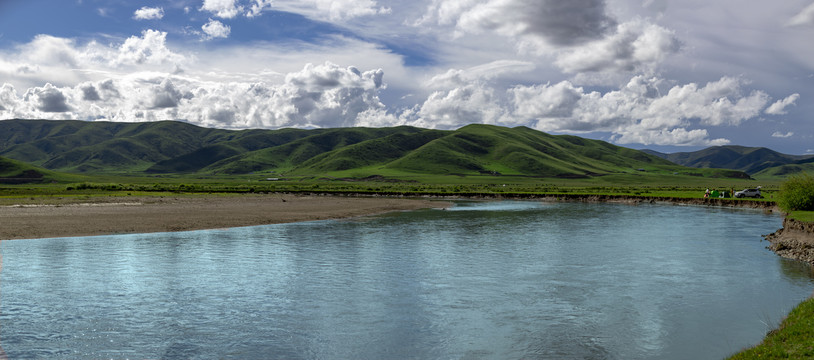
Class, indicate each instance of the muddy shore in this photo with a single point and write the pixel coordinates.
(104, 216)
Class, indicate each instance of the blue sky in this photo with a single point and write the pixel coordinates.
(660, 74)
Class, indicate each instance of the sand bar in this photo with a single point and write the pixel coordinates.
(162, 214)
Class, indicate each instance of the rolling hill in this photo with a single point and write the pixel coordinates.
(752, 160)
(81, 146)
(521, 151)
(171, 147)
(17, 172)
(801, 166)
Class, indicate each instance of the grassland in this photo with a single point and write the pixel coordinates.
(647, 185)
(807, 216)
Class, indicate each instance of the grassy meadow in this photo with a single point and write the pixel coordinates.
(635, 184)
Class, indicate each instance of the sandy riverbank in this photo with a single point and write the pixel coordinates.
(104, 216)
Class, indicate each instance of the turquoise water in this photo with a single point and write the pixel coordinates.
(482, 280)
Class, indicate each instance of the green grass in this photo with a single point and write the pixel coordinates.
(395, 182)
(794, 339)
(807, 216)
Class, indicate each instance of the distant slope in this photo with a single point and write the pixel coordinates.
(800, 166)
(521, 151)
(751, 160)
(493, 150)
(231, 151)
(16, 172)
(171, 147)
(82, 146)
(306, 152)
(379, 150)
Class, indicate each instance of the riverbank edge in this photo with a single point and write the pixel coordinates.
(795, 240)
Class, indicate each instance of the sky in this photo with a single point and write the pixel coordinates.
(667, 75)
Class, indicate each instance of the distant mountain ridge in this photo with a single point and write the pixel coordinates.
(752, 160)
(171, 147)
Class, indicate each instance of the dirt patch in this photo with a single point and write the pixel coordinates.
(144, 215)
(794, 241)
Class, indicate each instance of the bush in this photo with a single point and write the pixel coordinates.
(797, 193)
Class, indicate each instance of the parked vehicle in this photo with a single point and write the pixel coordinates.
(754, 193)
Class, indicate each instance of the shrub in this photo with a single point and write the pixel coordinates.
(797, 193)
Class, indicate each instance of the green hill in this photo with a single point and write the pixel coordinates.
(230, 153)
(375, 151)
(170, 147)
(800, 166)
(522, 151)
(306, 151)
(751, 160)
(82, 146)
(17, 172)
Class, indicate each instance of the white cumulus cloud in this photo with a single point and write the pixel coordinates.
(150, 49)
(638, 112)
(344, 9)
(324, 95)
(257, 8)
(449, 109)
(226, 9)
(644, 111)
(635, 45)
(149, 13)
(63, 62)
(229, 9)
(779, 107)
(215, 29)
(778, 134)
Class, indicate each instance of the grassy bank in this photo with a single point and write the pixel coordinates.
(794, 339)
(807, 216)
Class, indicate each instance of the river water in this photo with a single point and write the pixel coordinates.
(482, 280)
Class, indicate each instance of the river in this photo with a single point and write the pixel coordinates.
(481, 280)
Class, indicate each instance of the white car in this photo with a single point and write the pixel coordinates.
(755, 193)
